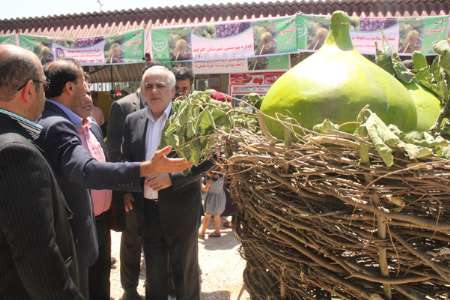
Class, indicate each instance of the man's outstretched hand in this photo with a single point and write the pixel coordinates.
(160, 163)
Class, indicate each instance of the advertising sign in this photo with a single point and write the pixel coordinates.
(419, 34)
(220, 66)
(275, 36)
(88, 54)
(258, 82)
(228, 40)
(375, 31)
(8, 39)
(123, 48)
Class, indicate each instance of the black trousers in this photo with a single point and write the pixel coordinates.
(183, 262)
(130, 254)
(99, 272)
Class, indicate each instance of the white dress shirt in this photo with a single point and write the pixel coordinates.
(152, 141)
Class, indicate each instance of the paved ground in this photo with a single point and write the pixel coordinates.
(220, 262)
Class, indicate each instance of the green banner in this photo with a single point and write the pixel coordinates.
(41, 46)
(8, 39)
(275, 36)
(419, 34)
(125, 48)
(311, 31)
(276, 62)
(171, 44)
(225, 40)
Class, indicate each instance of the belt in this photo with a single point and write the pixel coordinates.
(155, 200)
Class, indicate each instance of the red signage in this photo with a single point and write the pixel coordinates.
(258, 82)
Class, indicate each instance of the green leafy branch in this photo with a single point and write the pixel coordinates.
(192, 130)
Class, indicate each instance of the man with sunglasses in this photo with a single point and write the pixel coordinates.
(75, 168)
(37, 251)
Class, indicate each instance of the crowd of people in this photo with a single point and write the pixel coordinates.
(63, 188)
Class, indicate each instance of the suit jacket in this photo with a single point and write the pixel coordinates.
(120, 109)
(37, 252)
(77, 171)
(178, 207)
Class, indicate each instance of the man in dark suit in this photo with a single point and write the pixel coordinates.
(169, 209)
(75, 169)
(130, 242)
(37, 252)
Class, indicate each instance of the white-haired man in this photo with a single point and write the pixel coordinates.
(168, 210)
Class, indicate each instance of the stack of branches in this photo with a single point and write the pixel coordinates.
(315, 223)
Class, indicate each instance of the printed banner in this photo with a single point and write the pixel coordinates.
(448, 28)
(220, 66)
(421, 33)
(277, 62)
(275, 36)
(228, 40)
(172, 44)
(41, 46)
(311, 31)
(124, 48)
(8, 39)
(85, 51)
(258, 82)
(375, 31)
(231, 40)
(404, 35)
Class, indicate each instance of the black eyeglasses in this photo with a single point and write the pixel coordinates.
(44, 83)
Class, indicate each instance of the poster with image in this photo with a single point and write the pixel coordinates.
(255, 82)
(274, 62)
(8, 39)
(371, 31)
(448, 28)
(312, 31)
(275, 36)
(172, 44)
(435, 29)
(127, 47)
(87, 51)
(222, 41)
(42, 46)
(419, 34)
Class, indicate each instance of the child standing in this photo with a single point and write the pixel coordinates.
(214, 204)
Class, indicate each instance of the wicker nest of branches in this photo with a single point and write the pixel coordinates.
(315, 223)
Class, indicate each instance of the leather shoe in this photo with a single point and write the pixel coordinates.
(132, 296)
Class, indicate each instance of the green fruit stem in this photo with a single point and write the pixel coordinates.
(339, 34)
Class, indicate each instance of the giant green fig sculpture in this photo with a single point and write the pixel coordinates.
(335, 83)
(428, 106)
